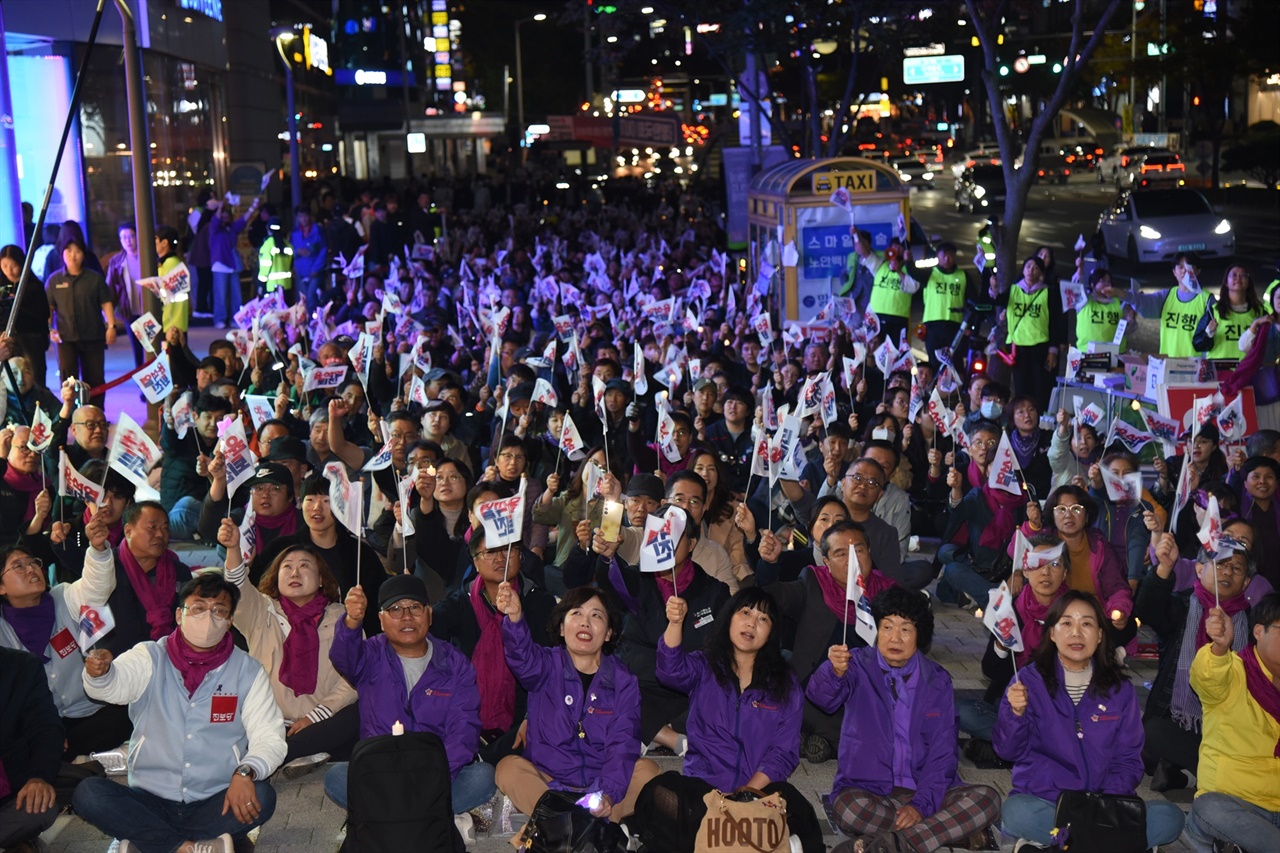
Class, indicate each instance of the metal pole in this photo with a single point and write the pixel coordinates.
(11, 204)
(72, 110)
(506, 94)
(295, 167)
(1133, 66)
(519, 88)
(144, 209)
(586, 53)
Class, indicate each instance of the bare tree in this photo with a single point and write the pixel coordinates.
(1086, 34)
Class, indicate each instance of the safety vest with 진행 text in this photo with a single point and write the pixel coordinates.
(1097, 321)
(944, 295)
(1028, 315)
(887, 296)
(1226, 338)
(1178, 321)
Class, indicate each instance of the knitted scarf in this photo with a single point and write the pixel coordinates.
(300, 663)
(193, 664)
(115, 533)
(833, 592)
(284, 524)
(1185, 705)
(1032, 613)
(1261, 688)
(33, 625)
(493, 677)
(999, 531)
(25, 483)
(684, 577)
(154, 592)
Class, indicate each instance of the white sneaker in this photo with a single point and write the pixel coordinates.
(221, 844)
(464, 824)
(123, 845)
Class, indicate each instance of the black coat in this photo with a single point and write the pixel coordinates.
(131, 617)
(31, 732)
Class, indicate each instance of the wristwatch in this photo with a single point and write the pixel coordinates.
(246, 771)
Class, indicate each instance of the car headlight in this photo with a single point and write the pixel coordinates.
(979, 192)
(927, 176)
(1224, 227)
(1146, 232)
(904, 176)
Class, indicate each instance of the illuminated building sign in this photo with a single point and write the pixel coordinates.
(371, 77)
(208, 8)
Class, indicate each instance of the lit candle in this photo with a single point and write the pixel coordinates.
(397, 728)
(431, 470)
(1116, 614)
(978, 613)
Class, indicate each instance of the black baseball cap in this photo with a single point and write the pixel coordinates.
(401, 587)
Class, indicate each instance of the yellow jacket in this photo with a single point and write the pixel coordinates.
(1237, 753)
(175, 313)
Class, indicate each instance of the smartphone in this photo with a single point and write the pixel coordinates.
(611, 521)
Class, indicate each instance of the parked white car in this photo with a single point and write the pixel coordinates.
(1145, 226)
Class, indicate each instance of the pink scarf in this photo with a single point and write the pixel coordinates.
(284, 524)
(1032, 613)
(29, 483)
(999, 531)
(493, 677)
(156, 592)
(1231, 606)
(300, 663)
(833, 593)
(1261, 688)
(115, 533)
(683, 578)
(195, 665)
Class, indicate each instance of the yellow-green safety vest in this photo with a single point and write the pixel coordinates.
(887, 297)
(944, 295)
(1028, 317)
(174, 314)
(1226, 340)
(1178, 321)
(275, 266)
(1097, 321)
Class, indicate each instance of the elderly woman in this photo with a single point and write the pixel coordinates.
(25, 500)
(744, 723)
(288, 621)
(1071, 723)
(818, 606)
(46, 623)
(584, 708)
(896, 786)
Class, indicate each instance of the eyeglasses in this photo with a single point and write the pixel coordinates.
(985, 444)
(1064, 510)
(400, 611)
(859, 480)
(492, 553)
(404, 436)
(93, 426)
(220, 612)
(1230, 567)
(1043, 567)
(267, 489)
(686, 501)
(31, 566)
(512, 457)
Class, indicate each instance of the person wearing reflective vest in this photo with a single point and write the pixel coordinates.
(891, 289)
(861, 267)
(1178, 309)
(1101, 314)
(944, 294)
(1034, 319)
(275, 262)
(1224, 321)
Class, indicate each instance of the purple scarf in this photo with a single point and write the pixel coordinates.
(195, 665)
(300, 663)
(902, 682)
(33, 625)
(154, 592)
(284, 524)
(28, 483)
(1261, 688)
(493, 677)
(115, 533)
(833, 594)
(683, 578)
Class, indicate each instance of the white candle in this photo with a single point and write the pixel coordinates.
(397, 728)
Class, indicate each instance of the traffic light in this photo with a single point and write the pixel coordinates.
(602, 9)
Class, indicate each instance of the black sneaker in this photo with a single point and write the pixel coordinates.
(818, 749)
(983, 755)
(1168, 777)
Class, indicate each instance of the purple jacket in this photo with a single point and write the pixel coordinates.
(732, 735)
(865, 757)
(582, 745)
(445, 701)
(222, 241)
(1058, 746)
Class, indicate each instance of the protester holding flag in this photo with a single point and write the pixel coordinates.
(27, 400)
(507, 470)
(270, 490)
(66, 544)
(47, 622)
(81, 430)
(654, 458)
(148, 576)
(1073, 448)
(721, 522)
(440, 522)
(289, 620)
(83, 319)
(564, 510)
(1208, 465)
(25, 499)
(1121, 521)
(184, 484)
(1071, 723)
(787, 564)
(744, 723)
(896, 785)
(1173, 715)
(1030, 443)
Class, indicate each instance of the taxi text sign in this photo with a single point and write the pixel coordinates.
(825, 183)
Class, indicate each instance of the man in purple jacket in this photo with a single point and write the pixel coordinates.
(405, 679)
(896, 784)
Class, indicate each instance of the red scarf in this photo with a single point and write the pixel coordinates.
(115, 533)
(683, 578)
(284, 524)
(29, 483)
(1231, 606)
(300, 663)
(999, 531)
(154, 592)
(833, 593)
(493, 677)
(195, 665)
(1261, 688)
(1032, 613)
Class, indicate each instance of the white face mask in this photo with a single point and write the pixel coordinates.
(991, 409)
(203, 631)
(882, 434)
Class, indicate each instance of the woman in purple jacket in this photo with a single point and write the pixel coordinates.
(896, 787)
(745, 707)
(1071, 722)
(583, 708)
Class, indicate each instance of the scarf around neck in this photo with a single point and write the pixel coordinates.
(833, 593)
(1185, 706)
(1261, 687)
(300, 662)
(155, 592)
(33, 625)
(999, 531)
(284, 524)
(1032, 613)
(684, 578)
(1024, 448)
(28, 484)
(115, 533)
(194, 665)
(493, 677)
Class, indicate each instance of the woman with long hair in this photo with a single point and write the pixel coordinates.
(1071, 722)
(564, 510)
(288, 621)
(169, 251)
(440, 520)
(744, 722)
(1219, 331)
(1260, 365)
(718, 519)
(32, 310)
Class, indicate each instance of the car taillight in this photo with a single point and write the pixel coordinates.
(1066, 171)
(1040, 173)
(1176, 167)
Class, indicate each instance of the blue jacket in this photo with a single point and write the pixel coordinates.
(1057, 746)
(733, 735)
(315, 263)
(589, 745)
(445, 701)
(865, 758)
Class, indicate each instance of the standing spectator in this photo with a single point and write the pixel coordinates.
(195, 247)
(124, 270)
(175, 314)
(225, 263)
(310, 257)
(82, 321)
(32, 310)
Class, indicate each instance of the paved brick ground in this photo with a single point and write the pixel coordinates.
(306, 822)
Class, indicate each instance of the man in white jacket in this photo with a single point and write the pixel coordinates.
(207, 734)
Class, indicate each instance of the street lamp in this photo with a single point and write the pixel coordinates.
(282, 36)
(520, 72)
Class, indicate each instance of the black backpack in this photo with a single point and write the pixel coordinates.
(399, 796)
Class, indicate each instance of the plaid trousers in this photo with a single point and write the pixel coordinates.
(965, 810)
